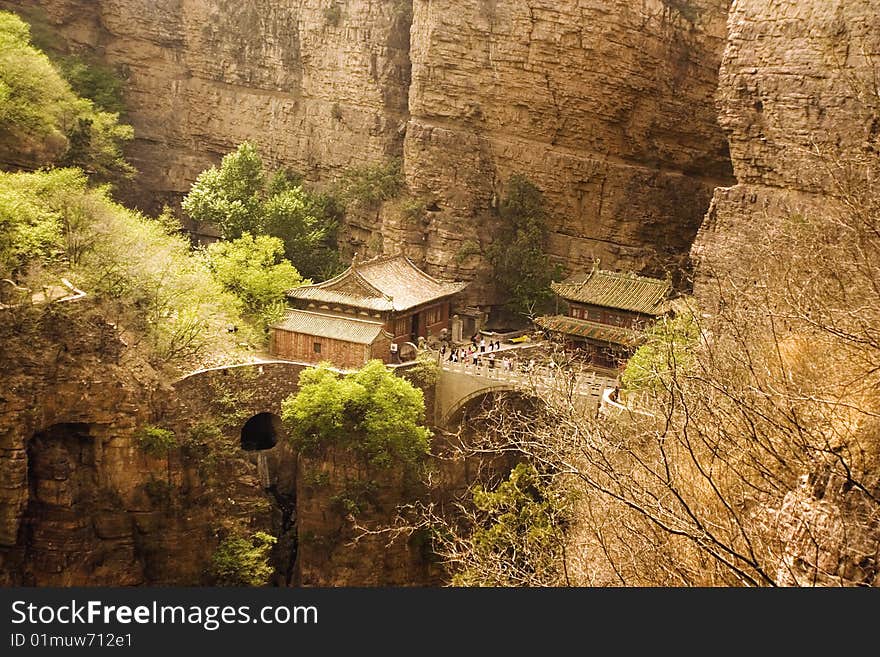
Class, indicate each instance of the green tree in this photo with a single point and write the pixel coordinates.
(517, 534)
(241, 196)
(230, 196)
(243, 561)
(369, 185)
(43, 122)
(521, 269)
(307, 226)
(668, 347)
(91, 79)
(155, 440)
(254, 270)
(53, 220)
(371, 412)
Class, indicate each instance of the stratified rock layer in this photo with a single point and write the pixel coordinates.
(799, 102)
(317, 90)
(607, 105)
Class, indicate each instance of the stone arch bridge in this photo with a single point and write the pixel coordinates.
(461, 383)
(268, 383)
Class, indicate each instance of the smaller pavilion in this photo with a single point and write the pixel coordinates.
(607, 313)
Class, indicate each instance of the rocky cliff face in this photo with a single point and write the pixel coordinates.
(83, 503)
(799, 102)
(797, 94)
(606, 105)
(319, 86)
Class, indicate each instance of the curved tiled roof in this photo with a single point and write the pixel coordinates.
(619, 290)
(583, 328)
(328, 325)
(384, 283)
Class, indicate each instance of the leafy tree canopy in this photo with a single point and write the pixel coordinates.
(240, 196)
(668, 347)
(370, 411)
(43, 122)
(243, 561)
(229, 196)
(52, 221)
(369, 185)
(521, 269)
(520, 528)
(254, 269)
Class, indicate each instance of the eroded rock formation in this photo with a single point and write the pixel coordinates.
(318, 89)
(799, 102)
(606, 105)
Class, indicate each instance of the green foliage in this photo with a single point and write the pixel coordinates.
(243, 561)
(521, 526)
(154, 440)
(668, 348)
(468, 248)
(426, 370)
(159, 491)
(240, 196)
(229, 196)
(371, 412)
(30, 230)
(53, 219)
(355, 497)
(253, 269)
(413, 209)
(369, 185)
(307, 224)
(521, 269)
(93, 80)
(43, 122)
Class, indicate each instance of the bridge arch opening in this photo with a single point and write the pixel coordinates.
(261, 432)
(476, 406)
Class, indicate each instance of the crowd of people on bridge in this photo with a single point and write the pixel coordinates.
(480, 353)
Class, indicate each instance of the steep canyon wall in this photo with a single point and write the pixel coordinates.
(800, 103)
(318, 90)
(797, 95)
(607, 105)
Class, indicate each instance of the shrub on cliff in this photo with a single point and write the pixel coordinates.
(240, 196)
(369, 185)
(43, 122)
(371, 412)
(243, 560)
(519, 524)
(53, 222)
(520, 269)
(667, 348)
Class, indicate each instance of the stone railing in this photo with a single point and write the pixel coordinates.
(520, 374)
(609, 405)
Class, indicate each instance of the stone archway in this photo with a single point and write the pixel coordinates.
(261, 432)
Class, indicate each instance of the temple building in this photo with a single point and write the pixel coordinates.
(368, 311)
(607, 313)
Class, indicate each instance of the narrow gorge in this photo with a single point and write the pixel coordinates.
(667, 137)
